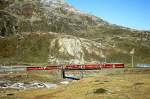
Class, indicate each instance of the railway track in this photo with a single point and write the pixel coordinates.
(80, 70)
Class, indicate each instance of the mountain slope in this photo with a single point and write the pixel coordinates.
(31, 29)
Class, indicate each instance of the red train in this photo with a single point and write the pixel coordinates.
(94, 66)
(30, 68)
(79, 67)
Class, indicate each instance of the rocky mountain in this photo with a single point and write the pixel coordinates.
(49, 15)
(53, 31)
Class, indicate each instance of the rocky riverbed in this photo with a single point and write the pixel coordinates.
(27, 85)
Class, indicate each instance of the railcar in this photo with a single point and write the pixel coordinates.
(94, 66)
(79, 67)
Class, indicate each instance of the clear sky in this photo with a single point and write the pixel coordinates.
(129, 13)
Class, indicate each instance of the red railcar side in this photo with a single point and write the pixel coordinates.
(95, 66)
(77, 67)
(119, 65)
(31, 68)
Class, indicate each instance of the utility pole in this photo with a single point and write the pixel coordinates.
(132, 60)
(132, 57)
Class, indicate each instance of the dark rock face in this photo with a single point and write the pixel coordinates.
(4, 4)
(8, 24)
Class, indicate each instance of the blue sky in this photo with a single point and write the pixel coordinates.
(129, 13)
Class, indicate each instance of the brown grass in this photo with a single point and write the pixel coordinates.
(127, 86)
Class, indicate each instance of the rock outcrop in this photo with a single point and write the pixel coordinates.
(73, 50)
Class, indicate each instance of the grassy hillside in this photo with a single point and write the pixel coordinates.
(131, 86)
(29, 48)
(34, 48)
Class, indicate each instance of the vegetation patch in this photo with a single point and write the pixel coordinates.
(10, 94)
(138, 83)
(100, 91)
(106, 81)
(97, 81)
